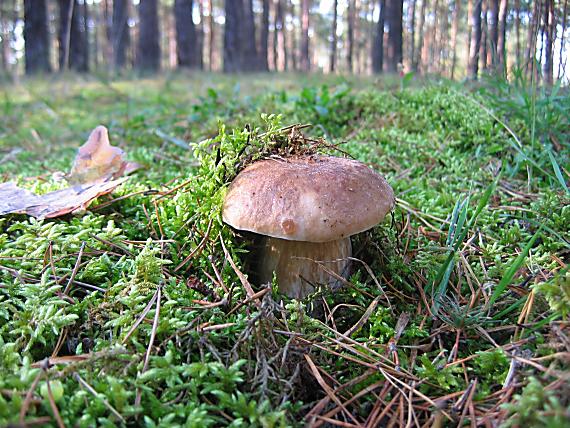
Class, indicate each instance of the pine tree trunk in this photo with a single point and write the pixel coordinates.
(418, 58)
(493, 37)
(232, 45)
(350, 35)
(484, 35)
(332, 61)
(200, 36)
(120, 32)
(305, 61)
(501, 43)
(211, 36)
(72, 36)
(378, 46)
(148, 51)
(264, 38)
(293, 49)
(36, 36)
(550, 35)
(249, 48)
(531, 40)
(518, 31)
(281, 59)
(394, 52)
(562, 60)
(412, 14)
(186, 43)
(454, 29)
(475, 24)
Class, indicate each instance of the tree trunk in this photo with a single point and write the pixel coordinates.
(264, 38)
(550, 36)
(412, 14)
(200, 36)
(332, 62)
(186, 42)
(484, 35)
(36, 36)
(281, 59)
(148, 51)
(293, 49)
(493, 37)
(394, 53)
(501, 43)
(418, 59)
(531, 42)
(454, 29)
(211, 37)
(350, 35)
(72, 36)
(378, 46)
(518, 31)
(305, 61)
(562, 60)
(120, 32)
(249, 49)
(475, 24)
(232, 30)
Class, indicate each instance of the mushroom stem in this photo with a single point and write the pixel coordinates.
(300, 266)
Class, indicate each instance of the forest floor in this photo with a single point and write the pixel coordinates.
(456, 313)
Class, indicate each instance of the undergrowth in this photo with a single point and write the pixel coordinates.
(140, 311)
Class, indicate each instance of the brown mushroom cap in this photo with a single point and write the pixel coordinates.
(311, 198)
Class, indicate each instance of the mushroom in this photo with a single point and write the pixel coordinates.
(307, 207)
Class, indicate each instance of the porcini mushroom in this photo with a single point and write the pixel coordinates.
(307, 207)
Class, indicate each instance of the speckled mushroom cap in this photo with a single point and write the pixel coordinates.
(311, 198)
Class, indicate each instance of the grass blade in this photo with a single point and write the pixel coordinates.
(512, 270)
(558, 172)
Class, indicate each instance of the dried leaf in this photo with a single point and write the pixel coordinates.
(95, 172)
(15, 200)
(97, 160)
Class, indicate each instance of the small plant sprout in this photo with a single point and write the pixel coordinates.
(307, 207)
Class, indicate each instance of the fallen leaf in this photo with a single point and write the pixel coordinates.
(15, 200)
(97, 160)
(96, 171)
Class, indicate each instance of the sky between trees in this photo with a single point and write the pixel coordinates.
(452, 38)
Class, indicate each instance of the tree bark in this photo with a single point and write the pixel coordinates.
(562, 60)
(484, 35)
(332, 61)
(36, 36)
(378, 46)
(305, 61)
(72, 36)
(280, 38)
(531, 42)
(412, 14)
(418, 59)
(148, 51)
(232, 45)
(394, 52)
(550, 35)
(502, 40)
(186, 42)
(493, 37)
(264, 38)
(200, 36)
(350, 35)
(475, 24)
(248, 47)
(454, 29)
(120, 32)
(518, 31)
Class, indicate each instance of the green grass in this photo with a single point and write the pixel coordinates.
(455, 293)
